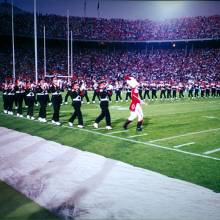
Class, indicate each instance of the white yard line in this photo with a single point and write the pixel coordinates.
(138, 135)
(147, 143)
(186, 144)
(143, 143)
(211, 117)
(183, 135)
(212, 151)
(115, 132)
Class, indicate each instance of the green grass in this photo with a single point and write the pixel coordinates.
(15, 206)
(162, 119)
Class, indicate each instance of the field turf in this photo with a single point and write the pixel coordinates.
(14, 205)
(180, 138)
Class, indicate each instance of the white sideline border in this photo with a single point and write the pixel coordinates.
(134, 141)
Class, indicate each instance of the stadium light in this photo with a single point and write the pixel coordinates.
(169, 9)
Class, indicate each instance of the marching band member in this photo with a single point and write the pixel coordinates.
(128, 92)
(84, 88)
(31, 99)
(20, 93)
(118, 89)
(11, 98)
(5, 97)
(56, 100)
(68, 93)
(104, 103)
(110, 91)
(43, 99)
(76, 96)
(135, 106)
(95, 92)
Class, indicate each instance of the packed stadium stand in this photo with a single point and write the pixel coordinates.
(181, 49)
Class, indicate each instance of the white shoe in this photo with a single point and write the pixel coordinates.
(88, 103)
(40, 119)
(32, 118)
(58, 123)
(18, 114)
(95, 125)
(5, 111)
(80, 126)
(108, 128)
(36, 104)
(70, 124)
(93, 102)
(21, 116)
(10, 113)
(53, 122)
(16, 107)
(50, 104)
(82, 102)
(28, 117)
(26, 106)
(66, 103)
(44, 120)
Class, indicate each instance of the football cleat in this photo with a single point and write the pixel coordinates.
(80, 126)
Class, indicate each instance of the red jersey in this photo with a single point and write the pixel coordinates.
(134, 99)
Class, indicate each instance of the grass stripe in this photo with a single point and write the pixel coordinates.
(138, 135)
(115, 132)
(146, 143)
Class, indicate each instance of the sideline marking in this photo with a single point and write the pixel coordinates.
(186, 144)
(212, 151)
(183, 135)
(134, 141)
(138, 135)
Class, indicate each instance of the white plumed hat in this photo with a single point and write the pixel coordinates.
(131, 81)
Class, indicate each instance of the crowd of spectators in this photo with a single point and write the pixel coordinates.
(92, 63)
(113, 29)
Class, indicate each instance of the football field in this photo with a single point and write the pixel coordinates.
(180, 138)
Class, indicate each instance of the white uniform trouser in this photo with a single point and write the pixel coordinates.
(137, 113)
